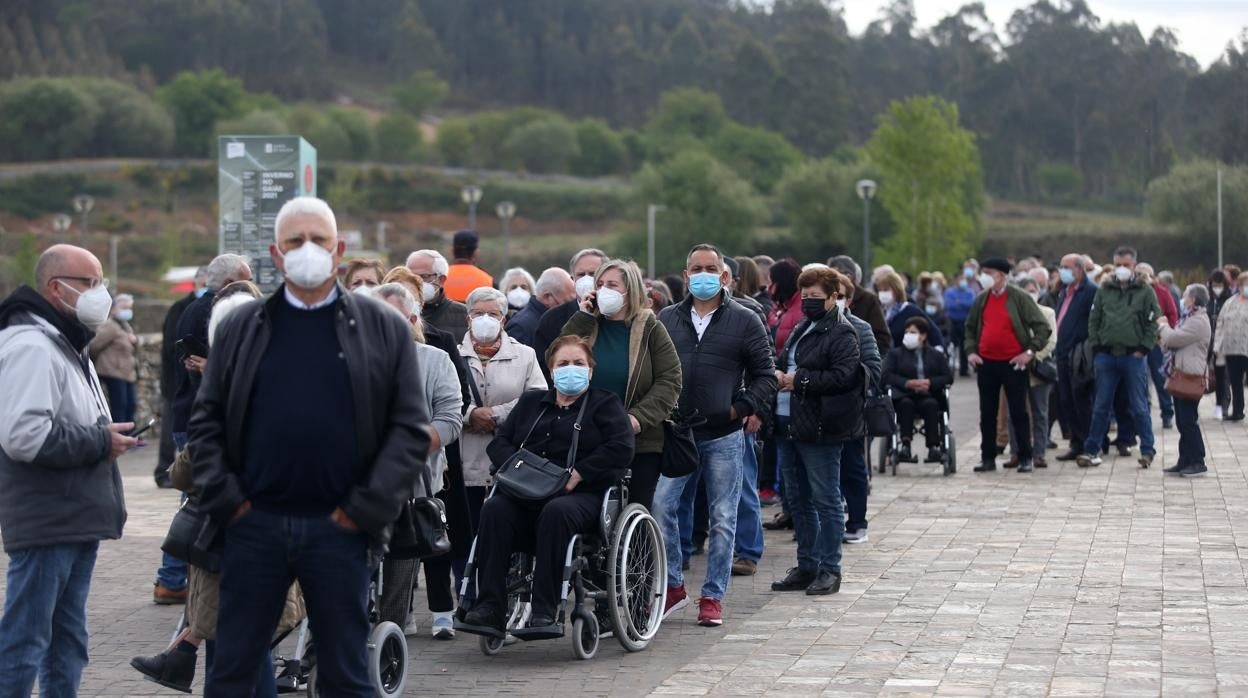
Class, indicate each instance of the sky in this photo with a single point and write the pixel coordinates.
(1203, 26)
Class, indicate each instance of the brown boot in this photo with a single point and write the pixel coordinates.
(1012, 462)
(168, 597)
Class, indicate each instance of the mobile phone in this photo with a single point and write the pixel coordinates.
(190, 346)
(593, 301)
(139, 432)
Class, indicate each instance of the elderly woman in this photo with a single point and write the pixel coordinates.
(444, 405)
(544, 423)
(500, 370)
(918, 373)
(517, 284)
(113, 352)
(818, 409)
(898, 309)
(1188, 343)
(1231, 345)
(635, 359)
(363, 272)
(1220, 292)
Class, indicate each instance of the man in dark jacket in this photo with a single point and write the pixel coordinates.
(1075, 393)
(170, 365)
(727, 368)
(583, 267)
(440, 311)
(553, 288)
(1122, 328)
(864, 304)
(303, 439)
(60, 490)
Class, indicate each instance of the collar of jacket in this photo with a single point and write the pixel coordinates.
(507, 350)
(26, 300)
(825, 323)
(686, 306)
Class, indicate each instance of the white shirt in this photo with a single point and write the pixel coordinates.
(701, 323)
(295, 302)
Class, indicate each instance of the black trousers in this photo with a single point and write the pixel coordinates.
(1236, 368)
(1076, 404)
(927, 406)
(165, 457)
(993, 376)
(957, 332)
(543, 528)
(438, 585)
(645, 477)
(1191, 443)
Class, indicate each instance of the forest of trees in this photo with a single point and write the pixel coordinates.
(1060, 102)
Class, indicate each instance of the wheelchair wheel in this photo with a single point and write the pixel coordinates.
(387, 659)
(585, 635)
(490, 646)
(637, 565)
(951, 454)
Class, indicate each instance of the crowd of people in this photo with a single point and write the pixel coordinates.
(303, 423)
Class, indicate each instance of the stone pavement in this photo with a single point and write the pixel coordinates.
(1111, 580)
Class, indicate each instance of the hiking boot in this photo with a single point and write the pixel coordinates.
(826, 582)
(744, 567)
(710, 612)
(1011, 463)
(676, 600)
(1145, 460)
(165, 596)
(1193, 470)
(172, 669)
(796, 580)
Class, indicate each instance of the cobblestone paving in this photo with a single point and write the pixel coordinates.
(1111, 580)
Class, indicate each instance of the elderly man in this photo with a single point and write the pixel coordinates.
(170, 368)
(554, 288)
(864, 304)
(583, 267)
(303, 442)
(1075, 391)
(60, 490)
(447, 315)
(1122, 328)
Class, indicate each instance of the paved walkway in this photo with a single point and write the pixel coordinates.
(1112, 580)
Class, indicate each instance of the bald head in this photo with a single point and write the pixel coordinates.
(61, 261)
(1074, 262)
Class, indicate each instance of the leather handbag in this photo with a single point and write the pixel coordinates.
(1045, 370)
(193, 538)
(420, 530)
(1187, 386)
(529, 477)
(680, 448)
(1211, 379)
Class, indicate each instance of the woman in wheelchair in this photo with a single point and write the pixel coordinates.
(543, 423)
(918, 375)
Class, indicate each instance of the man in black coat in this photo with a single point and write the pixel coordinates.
(553, 289)
(303, 438)
(864, 304)
(170, 365)
(1075, 393)
(583, 267)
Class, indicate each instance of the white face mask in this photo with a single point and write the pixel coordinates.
(911, 340)
(309, 265)
(485, 328)
(93, 306)
(886, 297)
(429, 291)
(584, 285)
(610, 301)
(840, 304)
(986, 281)
(1036, 296)
(518, 297)
(1217, 290)
(1122, 273)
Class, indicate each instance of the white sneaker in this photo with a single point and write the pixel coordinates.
(1217, 412)
(411, 628)
(443, 627)
(859, 536)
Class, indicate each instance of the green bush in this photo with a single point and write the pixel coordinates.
(130, 123)
(602, 150)
(547, 145)
(198, 101)
(325, 134)
(455, 144)
(46, 119)
(255, 123)
(1187, 198)
(399, 139)
(758, 155)
(359, 132)
(1059, 181)
(420, 92)
(37, 195)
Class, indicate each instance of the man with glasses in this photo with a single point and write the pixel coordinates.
(440, 311)
(60, 489)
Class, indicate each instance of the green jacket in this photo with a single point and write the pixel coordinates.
(1030, 327)
(653, 373)
(1123, 319)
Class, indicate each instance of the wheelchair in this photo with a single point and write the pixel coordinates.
(616, 577)
(890, 447)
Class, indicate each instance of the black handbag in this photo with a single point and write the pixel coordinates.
(420, 530)
(1045, 370)
(877, 409)
(680, 448)
(529, 477)
(194, 538)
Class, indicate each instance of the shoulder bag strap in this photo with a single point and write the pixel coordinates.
(535, 423)
(472, 388)
(576, 433)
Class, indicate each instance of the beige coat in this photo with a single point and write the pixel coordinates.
(1189, 342)
(1232, 338)
(1051, 344)
(113, 353)
(501, 381)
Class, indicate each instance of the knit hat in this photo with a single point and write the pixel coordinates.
(1000, 264)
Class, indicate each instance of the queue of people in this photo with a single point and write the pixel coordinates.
(304, 423)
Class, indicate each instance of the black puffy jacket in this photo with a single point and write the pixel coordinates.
(827, 381)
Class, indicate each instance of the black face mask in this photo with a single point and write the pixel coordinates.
(813, 308)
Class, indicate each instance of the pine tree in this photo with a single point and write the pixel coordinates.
(28, 45)
(10, 55)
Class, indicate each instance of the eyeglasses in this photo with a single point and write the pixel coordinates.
(431, 278)
(482, 313)
(88, 281)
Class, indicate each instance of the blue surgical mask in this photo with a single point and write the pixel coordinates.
(968, 272)
(964, 283)
(1066, 275)
(571, 380)
(704, 286)
(125, 315)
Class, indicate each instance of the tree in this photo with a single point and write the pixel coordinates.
(686, 117)
(820, 202)
(197, 101)
(399, 138)
(602, 151)
(755, 154)
(455, 142)
(328, 137)
(359, 132)
(1187, 199)
(45, 119)
(933, 184)
(420, 93)
(549, 145)
(254, 123)
(130, 123)
(705, 202)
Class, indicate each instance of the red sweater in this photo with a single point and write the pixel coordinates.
(996, 338)
(1166, 301)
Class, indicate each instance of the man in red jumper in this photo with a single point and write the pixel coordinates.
(1003, 332)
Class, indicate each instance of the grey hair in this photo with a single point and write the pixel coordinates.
(1165, 276)
(123, 298)
(224, 269)
(587, 252)
(304, 206)
(1027, 283)
(847, 266)
(486, 294)
(517, 271)
(440, 265)
(398, 290)
(1199, 293)
(552, 280)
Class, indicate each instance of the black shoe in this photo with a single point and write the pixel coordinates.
(163, 481)
(699, 547)
(825, 583)
(1025, 465)
(985, 467)
(934, 455)
(172, 669)
(1052, 445)
(1068, 456)
(541, 620)
(1175, 469)
(1167, 422)
(1234, 418)
(904, 454)
(542, 626)
(1193, 470)
(780, 521)
(1124, 450)
(484, 617)
(795, 580)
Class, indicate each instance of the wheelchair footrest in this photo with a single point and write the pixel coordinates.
(479, 630)
(544, 632)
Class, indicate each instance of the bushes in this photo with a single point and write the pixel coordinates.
(198, 101)
(34, 196)
(543, 146)
(1187, 199)
(256, 123)
(602, 151)
(45, 120)
(399, 139)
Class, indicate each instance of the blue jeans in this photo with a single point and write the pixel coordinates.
(1157, 359)
(855, 480)
(1132, 372)
(172, 572)
(812, 471)
(720, 467)
(264, 553)
(266, 687)
(44, 628)
(121, 398)
(749, 540)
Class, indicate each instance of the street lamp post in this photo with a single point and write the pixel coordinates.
(866, 192)
(114, 241)
(471, 195)
(83, 203)
(506, 210)
(61, 223)
(651, 210)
